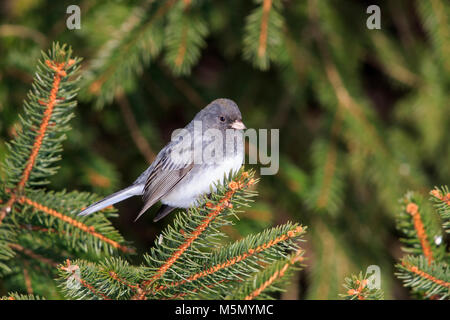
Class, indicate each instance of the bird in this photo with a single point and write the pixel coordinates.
(178, 176)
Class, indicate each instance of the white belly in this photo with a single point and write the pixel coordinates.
(184, 195)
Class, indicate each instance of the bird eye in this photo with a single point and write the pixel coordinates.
(222, 118)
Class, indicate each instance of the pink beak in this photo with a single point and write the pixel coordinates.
(238, 125)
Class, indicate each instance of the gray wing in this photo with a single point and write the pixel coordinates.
(165, 173)
(162, 212)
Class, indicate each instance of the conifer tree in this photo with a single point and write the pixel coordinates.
(190, 261)
(40, 228)
(425, 267)
(363, 114)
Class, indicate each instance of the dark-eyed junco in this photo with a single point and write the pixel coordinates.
(198, 156)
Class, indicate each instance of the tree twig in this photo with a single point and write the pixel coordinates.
(136, 134)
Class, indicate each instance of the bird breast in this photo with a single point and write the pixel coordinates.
(199, 181)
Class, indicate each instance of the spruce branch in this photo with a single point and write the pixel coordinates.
(357, 288)
(48, 109)
(233, 262)
(18, 296)
(189, 259)
(344, 97)
(33, 255)
(327, 190)
(432, 280)
(27, 278)
(436, 17)
(87, 234)
(121, 59)
(395, 66)
(441, 199)
(191, 231)
(263, 33)
(7, 238)
(425, 270)
(419, 226)
(39, 228)
(270, 279)
(210, 288)
(112, 278)
(184, 37)
(80, 280)
(36, 147)
(371, 154)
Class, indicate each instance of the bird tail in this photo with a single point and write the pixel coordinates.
(133, 190)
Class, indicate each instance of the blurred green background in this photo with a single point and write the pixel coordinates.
(363, 114)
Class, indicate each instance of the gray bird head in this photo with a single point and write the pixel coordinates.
(221, 114)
